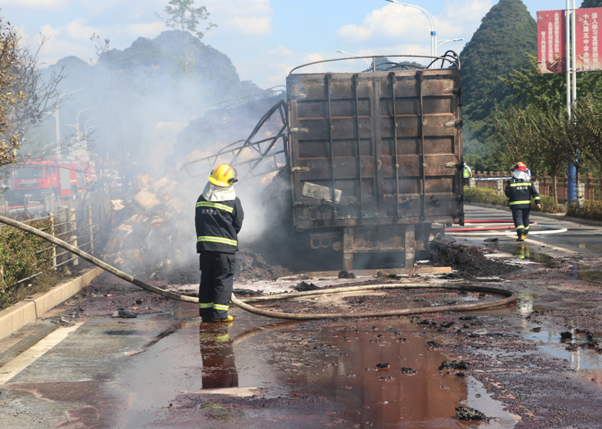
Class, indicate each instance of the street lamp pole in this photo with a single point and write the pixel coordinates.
(432, 21)
(353, 55)
(58, 123)
(78, 134)
(459, 39)
(77, 117)
(86, 131)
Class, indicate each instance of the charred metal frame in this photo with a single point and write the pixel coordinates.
(268, 150)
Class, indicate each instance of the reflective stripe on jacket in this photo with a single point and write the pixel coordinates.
(519, 193)
(217, 225)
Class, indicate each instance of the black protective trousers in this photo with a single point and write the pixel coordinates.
(217, 281)
(521, 220)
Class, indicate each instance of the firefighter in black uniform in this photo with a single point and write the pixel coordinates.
(519, 191)
(218, 221)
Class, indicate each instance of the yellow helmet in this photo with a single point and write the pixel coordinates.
(223, 176)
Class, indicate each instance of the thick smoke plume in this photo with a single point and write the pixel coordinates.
(143, 113)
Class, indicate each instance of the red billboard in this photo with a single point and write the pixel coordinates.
(551, 41)
(588, 38)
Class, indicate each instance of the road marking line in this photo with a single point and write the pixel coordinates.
(18, 364)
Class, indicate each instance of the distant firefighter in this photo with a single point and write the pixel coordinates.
(218, 221)
(519, 191)
(466, 174)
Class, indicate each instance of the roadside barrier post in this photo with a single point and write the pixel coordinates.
(48, 203)
(25, 205)
(91, 229)
(499, 186)
(536, 185)
(580, 194)
(63, 229)
(52, 221)
(472, 183)
(101, 219)
(72, 226)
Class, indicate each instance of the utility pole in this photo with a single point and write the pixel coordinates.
(571, 91)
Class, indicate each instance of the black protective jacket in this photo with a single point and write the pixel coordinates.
(519, 193)
(217, 225)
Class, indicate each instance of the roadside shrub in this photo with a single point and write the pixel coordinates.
(591, 210)
(490, 196)
(484, 195)
(549, 206)
(21, 255)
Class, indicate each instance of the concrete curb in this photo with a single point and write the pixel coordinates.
(559, 216)
(29, 310)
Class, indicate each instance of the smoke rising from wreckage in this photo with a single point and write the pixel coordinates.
(394, 177)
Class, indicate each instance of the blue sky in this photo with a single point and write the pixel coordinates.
(264, 38)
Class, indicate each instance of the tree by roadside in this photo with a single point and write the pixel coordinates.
(183, 16)
(25, 98)
(546, 139)
(9, 137)
(587, 115)
(547, 91)
(540, 138)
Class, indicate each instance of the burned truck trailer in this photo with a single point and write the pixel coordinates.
(375, 158)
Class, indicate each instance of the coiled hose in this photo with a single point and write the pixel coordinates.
(510, 296)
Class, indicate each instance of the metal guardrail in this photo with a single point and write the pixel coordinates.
(85, 228)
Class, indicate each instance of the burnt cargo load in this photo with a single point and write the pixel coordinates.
(375, 158)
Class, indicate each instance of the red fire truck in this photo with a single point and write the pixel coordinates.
(37, 178)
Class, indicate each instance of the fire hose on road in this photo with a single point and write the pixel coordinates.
(481, 230)
(509, 296)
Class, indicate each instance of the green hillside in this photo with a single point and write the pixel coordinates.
(500, 46)
(591, 3)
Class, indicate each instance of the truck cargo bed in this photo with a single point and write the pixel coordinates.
(376, 156)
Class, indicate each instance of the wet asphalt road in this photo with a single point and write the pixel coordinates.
(171, 370)
(168, 370)
(578, 237)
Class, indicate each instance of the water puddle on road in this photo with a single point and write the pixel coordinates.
(590, 276)
(522, 251)
(596, 247)
(373, 374)
(546, 329)
(296, 375)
